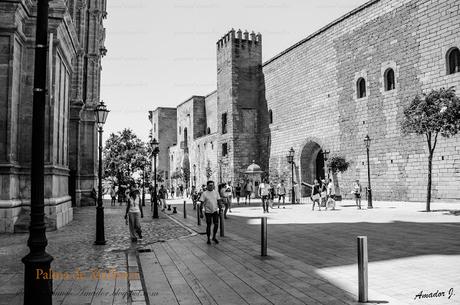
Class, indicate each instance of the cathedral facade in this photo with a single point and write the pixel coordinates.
(76, 45)
(350, 79)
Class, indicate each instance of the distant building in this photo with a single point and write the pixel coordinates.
(350, 79)
(164, 124)
(76, 44)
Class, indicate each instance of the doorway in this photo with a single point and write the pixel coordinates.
(311, 165)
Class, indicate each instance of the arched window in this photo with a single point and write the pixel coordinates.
(270, 116)
(361, 87)
(208, 130)
(389, 79)
(453, 61)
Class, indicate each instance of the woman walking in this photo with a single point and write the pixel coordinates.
(315, 195)
(133, 211)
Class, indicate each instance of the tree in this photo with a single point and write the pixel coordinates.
(124, 154)
(432, 114)
(337, 164)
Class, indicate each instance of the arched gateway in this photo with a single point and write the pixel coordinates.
(311, 165)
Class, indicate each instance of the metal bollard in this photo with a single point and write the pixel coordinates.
(263, 236)
(185, 211)
(221, 214)
(362, 269)
(198, 209)
(174, 210)
(169, 207)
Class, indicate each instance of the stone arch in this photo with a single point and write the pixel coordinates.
(310, 162)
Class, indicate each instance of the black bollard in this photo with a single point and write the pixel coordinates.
(263, 236)
(169, 207)
(174, 210)
(362, 269)
(198, 209)
(185, 211)
(221, 214)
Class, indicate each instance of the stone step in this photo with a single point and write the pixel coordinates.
(23, 222)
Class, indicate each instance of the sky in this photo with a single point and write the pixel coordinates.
(161, 52)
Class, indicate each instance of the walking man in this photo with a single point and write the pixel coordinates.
(264, 188)
(209, 200)
(162, 196)
(248, 191)
(281, 190)
(237, 193)
(113, 195)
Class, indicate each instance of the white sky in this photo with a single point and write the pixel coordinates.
(161, 52)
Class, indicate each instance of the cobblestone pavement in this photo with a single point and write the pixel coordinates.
(72, 246)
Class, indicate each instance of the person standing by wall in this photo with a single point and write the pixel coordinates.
(357, 189)
(330, 195)
(209, 201)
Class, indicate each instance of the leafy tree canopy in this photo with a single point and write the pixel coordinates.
(337, 164)
(433, 113)
(124, 154)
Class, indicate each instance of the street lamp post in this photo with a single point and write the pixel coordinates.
(290, 159)
(143, 184)
(194, 175)
(367, 141)
(155, 150)
(38, 290)
(101, 117)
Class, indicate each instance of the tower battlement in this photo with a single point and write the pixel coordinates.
(241, 37)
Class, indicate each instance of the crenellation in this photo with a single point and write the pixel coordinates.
(311, 92)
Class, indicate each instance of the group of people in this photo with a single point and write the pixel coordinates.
(213, 202)
(322, 194)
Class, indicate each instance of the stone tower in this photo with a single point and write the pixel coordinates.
(239, 97)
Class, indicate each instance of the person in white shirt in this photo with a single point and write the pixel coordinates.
(330, 195)
(264, 188)
(209, 199)
(281, 191)
(134, 209)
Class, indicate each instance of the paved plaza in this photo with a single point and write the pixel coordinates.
(311, 257)
(72, 248)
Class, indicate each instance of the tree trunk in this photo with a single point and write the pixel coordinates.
(428, 188)
(336, 190)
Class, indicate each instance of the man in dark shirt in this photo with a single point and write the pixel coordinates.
(162, 197)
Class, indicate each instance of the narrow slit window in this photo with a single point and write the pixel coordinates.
(389, 79)
(361, 87)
